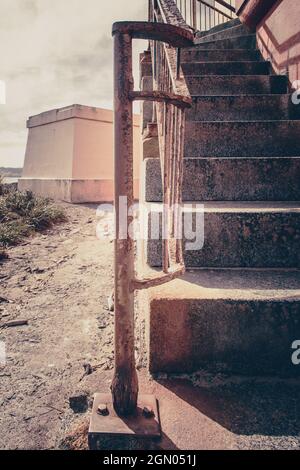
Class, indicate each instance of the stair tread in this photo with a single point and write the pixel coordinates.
(247, 206)
(265, 121)
(233, 31)
(206, 39)
(255, 95)
(194, 48)
(220, 27)
(227, 62)
(233, 284)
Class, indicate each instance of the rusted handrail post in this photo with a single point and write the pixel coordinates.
(194, 14)
(125, 383)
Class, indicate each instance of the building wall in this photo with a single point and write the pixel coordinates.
(69, 154)
(278, 29)
(49, 150)
(279, 38)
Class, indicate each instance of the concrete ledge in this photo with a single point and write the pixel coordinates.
(210, 179)
(234, 321)
(75, 111)
(236, 234)
(72, 190)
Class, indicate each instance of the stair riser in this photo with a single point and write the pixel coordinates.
(226, 68)
(242, 108)
(197, 55)
(221, 27)
(242, 139)
(226, 33)
(237, 337)
(239, 239)
(212, 180)
(236, 85)
(242, 42)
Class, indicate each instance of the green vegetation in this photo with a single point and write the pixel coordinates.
(22, 214)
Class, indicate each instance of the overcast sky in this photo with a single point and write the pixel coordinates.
(55, 53)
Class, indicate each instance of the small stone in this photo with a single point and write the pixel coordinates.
(111, 303)
(79, 402)
(88, 369)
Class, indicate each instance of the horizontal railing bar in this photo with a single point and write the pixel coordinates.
(226, 5)
(158, 280)
(162, 96)
(203, 2)
(175, 36)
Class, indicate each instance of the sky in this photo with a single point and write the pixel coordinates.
(55, 53)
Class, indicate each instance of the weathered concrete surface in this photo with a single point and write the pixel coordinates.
(239, 321)
(226, 68)
(210, 179)
(243, 139)
(231, 55)
(72, 190)
(225, 33)
(237, 234)
(245, 149)
(211, 85)
(219, 27)
(243, 108)
(146, 106)
(240, 42)
(69, 154)
(150, 147)
(209, 412)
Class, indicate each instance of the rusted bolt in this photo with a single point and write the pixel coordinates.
(148, 412)
(102, 409)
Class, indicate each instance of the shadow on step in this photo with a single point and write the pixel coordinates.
(243, 279)
(244, 407)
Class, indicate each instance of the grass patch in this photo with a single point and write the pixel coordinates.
(22, 214)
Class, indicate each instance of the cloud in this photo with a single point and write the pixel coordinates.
(55, 53)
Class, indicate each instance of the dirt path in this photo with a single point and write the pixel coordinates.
(59, 282)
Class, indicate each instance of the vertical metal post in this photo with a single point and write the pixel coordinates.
(194, 14)
(125, 382)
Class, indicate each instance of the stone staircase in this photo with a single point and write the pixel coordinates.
(237, 309)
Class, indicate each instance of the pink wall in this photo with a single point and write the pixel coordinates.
(279, 37)
(278, 29)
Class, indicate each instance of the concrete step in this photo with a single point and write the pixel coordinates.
(220, 27)
(241, 42)
(225, 33)
(242, 139)
(231, 55)
(211, 85)
(232, 321)
(243, 108)
(211, 179)
(226, 68)
(236, 234)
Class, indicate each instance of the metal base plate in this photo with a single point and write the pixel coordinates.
(136, 425)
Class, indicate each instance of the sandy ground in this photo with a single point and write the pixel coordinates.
(59, 282)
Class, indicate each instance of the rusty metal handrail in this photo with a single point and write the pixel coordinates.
(170, 118)
(202, 15)
(174, 98)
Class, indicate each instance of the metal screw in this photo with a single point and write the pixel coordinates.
(148, 412)
(102, 409)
